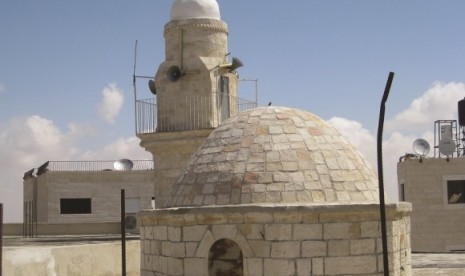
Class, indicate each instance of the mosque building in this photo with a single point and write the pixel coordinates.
(252, 191)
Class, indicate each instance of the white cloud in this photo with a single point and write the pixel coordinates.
(121, 148)
(2, 87)
(28, 142)
(78, 130)
(438, 103)
(111, 104)
(25, 141)
(417, 121)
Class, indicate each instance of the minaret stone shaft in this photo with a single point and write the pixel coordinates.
(196, 89)
(193, 90)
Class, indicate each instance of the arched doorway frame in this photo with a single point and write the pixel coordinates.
(223, 232)
(225, 258)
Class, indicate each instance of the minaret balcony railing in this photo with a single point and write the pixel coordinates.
(187, 113)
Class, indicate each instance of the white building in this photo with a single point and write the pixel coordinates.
(436, 188)
(84, 193)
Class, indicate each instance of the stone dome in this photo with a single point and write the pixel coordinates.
(188, 9)
(274, 155)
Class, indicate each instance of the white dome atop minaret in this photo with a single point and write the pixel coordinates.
(188, 9)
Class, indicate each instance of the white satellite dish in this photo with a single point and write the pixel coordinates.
(123, 165)
(421, 147)
(446, 146)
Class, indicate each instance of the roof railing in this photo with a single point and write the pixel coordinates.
(187, 113)
(86, 166)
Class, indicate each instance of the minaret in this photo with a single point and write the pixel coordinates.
(196, 89)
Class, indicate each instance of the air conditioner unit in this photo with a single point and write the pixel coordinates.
(132, 223)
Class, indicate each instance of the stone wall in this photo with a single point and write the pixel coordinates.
(277, 240)
(84, 259)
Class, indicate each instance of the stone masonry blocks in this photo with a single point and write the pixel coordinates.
(307, 244)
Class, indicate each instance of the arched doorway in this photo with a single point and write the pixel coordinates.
(225, 259)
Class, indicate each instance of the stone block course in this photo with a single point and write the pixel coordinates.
(283, 250)
(304, 267)
(193, 233)
(362, 247)
(314, 248)
(261, 249)
(291, 217)
(278, 232)
(338, 248)
(253, 266)
(318, 266)
(350, 265)
(307, 232)
(337, 231)
(194, 267)
(279, 267)
(224, 231)
(279, 240)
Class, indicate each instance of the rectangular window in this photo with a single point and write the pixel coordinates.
(75, 206)
(456, 191)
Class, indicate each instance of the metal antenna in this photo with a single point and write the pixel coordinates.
(134, 80)
(134, 86)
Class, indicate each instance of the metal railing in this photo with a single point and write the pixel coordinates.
(72, 166)
(187, 113)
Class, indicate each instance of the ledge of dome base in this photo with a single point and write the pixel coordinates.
(327, 212)
(196, 23)
(157, 139)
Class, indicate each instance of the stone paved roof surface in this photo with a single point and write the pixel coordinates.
(274, 155)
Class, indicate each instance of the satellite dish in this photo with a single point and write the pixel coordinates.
(421, 147)
(123, 165)
(174, 73)
(152, 87)
(446, 146)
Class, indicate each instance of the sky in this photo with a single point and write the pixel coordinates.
(66, 73)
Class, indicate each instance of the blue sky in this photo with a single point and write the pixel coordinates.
(66, 72)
